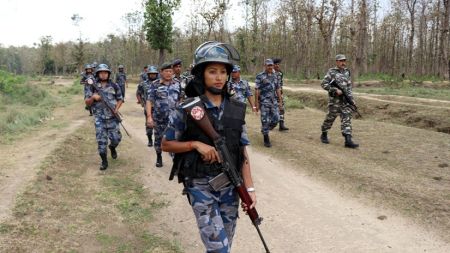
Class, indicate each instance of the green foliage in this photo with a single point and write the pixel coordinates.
(22, 105)
(158, 23)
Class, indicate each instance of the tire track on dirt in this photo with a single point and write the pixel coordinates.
(22, 158)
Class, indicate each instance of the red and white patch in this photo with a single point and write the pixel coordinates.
(197, 113)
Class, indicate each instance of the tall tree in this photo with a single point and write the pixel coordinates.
(158, 25)
(78, 52)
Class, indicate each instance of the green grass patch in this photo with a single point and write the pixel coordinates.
(409, 91)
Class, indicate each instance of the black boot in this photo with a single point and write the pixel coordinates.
(267, 141)
(349, 143)
(113, 152)
(324, 138)
(150, 141)
(159, 162)
(282, 126)
(104, 164)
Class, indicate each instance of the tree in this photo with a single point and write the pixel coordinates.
(47, 64)
(78, 53)
(158, 25)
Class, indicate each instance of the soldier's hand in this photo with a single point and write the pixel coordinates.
(96, 97)
(253, 197)
(338, 92)
(254, 109)
(150, 122)
(207, 152)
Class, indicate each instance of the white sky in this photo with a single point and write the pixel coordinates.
(23, 22)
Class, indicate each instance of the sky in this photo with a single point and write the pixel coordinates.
(24, 22)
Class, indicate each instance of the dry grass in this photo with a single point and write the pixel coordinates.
(72, 207)
(396, 167)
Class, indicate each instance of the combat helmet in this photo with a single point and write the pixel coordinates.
(87, 66)
(213, 51)
(152, 69)
(102, 67)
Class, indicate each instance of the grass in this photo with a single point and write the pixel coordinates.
(25, 105)
(83, 210)
(409, 91)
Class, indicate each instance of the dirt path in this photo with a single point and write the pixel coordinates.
(21, 159)
(301, 214)
(402, 100)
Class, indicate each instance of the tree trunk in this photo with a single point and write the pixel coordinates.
(444, 40)
(162, 56)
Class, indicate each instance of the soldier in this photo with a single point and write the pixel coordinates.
(144, 76)
(121, 80)
(267, 92)
(101, 95)
(141, 95)
(337, 105)
(94, 66)
(87, 74)
(240, 88)
(216, 212)
(279, 73)
(176, 67)
(162, 97)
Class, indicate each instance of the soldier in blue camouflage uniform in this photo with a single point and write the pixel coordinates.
(86, 75)
(279, 73)
(141, 95)
(143, 76)
(240, 88)
(163, 96)
(216, 212)
(337, 105)
(121, 80)
(100, 95)
(268, 100)
(182, 77)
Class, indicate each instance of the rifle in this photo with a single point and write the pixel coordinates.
(117, 115)
(197, 112)
(349, 100)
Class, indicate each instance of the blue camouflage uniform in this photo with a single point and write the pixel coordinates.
(121, 79)
(143, 76)
(106, 125)
(164, 99)
(141, 91)
(267, 84)
(216, 212)
(241, 90)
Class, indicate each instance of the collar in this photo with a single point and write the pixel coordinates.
(210, 105)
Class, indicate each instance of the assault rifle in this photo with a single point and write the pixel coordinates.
(197, 112)
(349, 100)
(117, 115)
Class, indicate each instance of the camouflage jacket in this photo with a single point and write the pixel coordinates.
(111, 94)
(267, 84)
(164, 98)
(343, 78)
(240, 89)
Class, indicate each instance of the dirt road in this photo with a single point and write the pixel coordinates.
(301, 213)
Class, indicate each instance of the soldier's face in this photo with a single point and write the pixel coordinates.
(235, 75)
(89, 71)
(177, 69)
(269, 68)
(152, 76)
(215, 75)
(103, 75)
(276, 66)
(341, 64)
(167, 74)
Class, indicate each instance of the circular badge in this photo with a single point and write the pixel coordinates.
(197, 113)
(90, 81)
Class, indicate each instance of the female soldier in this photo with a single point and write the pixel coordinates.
(197, 161)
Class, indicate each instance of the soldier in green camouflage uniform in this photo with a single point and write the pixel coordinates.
(337, 105)
(279, 73)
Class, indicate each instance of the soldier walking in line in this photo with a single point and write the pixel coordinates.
(279, 73)
(85, 76)
(101, 95)
(162, 97)
(337, 104)
(121, 80)
(141, 95)
(143, 76)
(267, 92)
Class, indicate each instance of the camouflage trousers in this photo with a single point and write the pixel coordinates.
(148, 130)
(269, 117)
(283, 106)
(159, 128)
(216, 213)
(122, 89)
(346, 118)
(107, 129)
